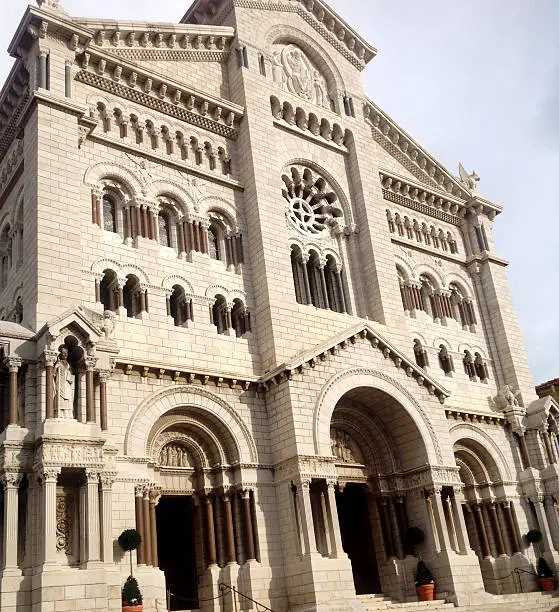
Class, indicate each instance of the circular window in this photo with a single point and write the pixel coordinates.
(304, 216)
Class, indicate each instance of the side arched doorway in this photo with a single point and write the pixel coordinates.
(376, 444)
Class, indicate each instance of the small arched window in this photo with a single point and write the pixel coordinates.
(109, 214)
(334, 285)
(5, 255)
(134, 297)
(299, 275)
(214, 247)
(482, 371)
(240, 318)
(445, 360)
(421, 357)
(220, 315)
(180, 307)
(109, 291)
(164, 228)
(18, 311)
(469, 366)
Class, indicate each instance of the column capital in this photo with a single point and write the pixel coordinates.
(91, 477)
(245, 493)
(12, 364)
(89, 362)
(331, 484)
(49, 357)
(107, 479)
(11, 479)
(154, 496)
(104, 375)
(48, 474)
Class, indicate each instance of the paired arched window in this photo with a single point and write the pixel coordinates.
(475, 367)
(180, 307)
(462, 306)
(318, 282)
(220, 315)
(240, 318)
(109, 293)
(236, 318)
(134, 297)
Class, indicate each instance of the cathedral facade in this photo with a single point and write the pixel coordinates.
(245, 313)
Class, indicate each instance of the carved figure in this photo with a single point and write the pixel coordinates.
(53, 4)
(508, 396)
(108, 324)
(174, 455)
(342, 446)
(445, 360)
(469, 180)
(63, 386)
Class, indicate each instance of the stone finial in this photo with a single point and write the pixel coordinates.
(53, 5)
(468, 180)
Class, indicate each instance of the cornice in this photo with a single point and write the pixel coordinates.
(315, 12)
(111, 74)
(13, 102)
(470, 416)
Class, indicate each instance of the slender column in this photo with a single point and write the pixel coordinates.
(90, 389)
(546, 544)
(107, 481)
(501, 548)
(431, 535)
(141, 559)
(191, 236)
(49, 360)
(127, 223)
(182, 238)
(204, 238)
(11, 482)
(247, 514)
(398, 544)
(229, 251)
(13, 364)
(82, 523)
(94, 216)
(68, 78)
(386, 527)
(297, 516)
(138, 214)
(336, 550)
(482, 534)
(145, 223)
(340, 284)
(444, 537)
(547, 441)
(306, 518)
(459, 521)
(239, 249)
(210, 531)
(229, 531)
(511, 524)
(323, 286)
(154, 497)
(305, 259)
(103, 379)
(147, 527)
(399, 506)
(448, 511)
(93, 524)
(152, 226)
(524, 450)
(47, 478)
(553, 519)
(488, 528)
(143, 301)
(43, 69)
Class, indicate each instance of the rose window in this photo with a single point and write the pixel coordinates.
(312, 205)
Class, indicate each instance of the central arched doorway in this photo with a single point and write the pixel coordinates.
(375, 442)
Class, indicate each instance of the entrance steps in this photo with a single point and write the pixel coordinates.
(521, 602)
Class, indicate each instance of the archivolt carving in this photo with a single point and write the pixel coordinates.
(147, 413)
(343, 382)
(170, 281)
(120, 172)
(174, 190)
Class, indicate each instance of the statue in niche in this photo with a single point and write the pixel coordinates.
(64, 380)
(174, 455)
(293, 69)
(342, 446)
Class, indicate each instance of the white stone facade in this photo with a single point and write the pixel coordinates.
(245, 313)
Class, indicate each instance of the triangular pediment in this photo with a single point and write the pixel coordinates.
(342, 340)
(73, 321)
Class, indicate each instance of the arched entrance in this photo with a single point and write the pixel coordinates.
(375, 442)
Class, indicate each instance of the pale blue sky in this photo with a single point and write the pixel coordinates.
(476, 82)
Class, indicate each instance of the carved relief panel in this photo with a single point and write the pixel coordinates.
(344, 447)
(67, 525)
(175, 455)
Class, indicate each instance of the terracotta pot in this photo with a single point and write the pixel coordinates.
(139, 608)
(426, 592)
(546, 584)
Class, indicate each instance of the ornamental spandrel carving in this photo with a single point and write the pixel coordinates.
(294, 71)
(72, 454)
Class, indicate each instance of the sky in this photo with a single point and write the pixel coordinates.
(474, 82)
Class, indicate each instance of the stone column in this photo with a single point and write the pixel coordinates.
(139, 495)
(340, 285)
(512, 528)
(323, 285)
(550, 504)
(304, 261)
(546, 543)
(210, 531)
(500, 542)
(43, 70)
(307, 525)
(482, 534)
(90, 389)
(49, 358)
(431, 528)
(386, 527)
(47, 478)
(104, 376)
(13, 364)
(229, 531)
(440, 520)
(107, 481)
(93, 523)
(147, 527)
(524, 450)
(460, 521)
(154, 497)
(548, 446)
(337, 550)
(11, 482)
(247, 516)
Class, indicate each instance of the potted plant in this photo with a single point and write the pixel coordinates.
(131, 596)
(545, 575)
(424, 582)
(129, 540)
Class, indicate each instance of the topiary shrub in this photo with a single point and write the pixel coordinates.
(129, 540)
(131, 595)
(543, 570)
(534, 536)
(423, 575)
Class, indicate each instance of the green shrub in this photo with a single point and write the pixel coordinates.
(129, 540)
(534, 536)
(131, 592)
(423, 575)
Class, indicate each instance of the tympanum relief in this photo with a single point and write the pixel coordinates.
(344, 448)
(174, 455)
(294, 71)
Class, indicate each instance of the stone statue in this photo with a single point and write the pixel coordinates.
(63, 386)
(508, 397)
(108, 324)
(469, 180)
(49, 4)
(342, 446)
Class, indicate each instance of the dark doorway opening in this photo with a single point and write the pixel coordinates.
(357, 538)
(176, 550)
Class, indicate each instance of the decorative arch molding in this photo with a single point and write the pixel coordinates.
(155, 406)
(136, 271)
(213, 290)
(465, 431)
(119, 172)
(174, 191)
(341, 383)
(428, 270)
(420, 337)
(170, 281)
(289, 35)
(461, 281)
(338, 189)
(478, 467)
(465, 469)
(220, 205)
(438, 341)
(101, 265)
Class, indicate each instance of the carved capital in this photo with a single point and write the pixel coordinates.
(107, 479)
(47, 475)
(104, 375)
(154, 496)
(11, 479)
(49, 358)
(12, 364)
(91, 477)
